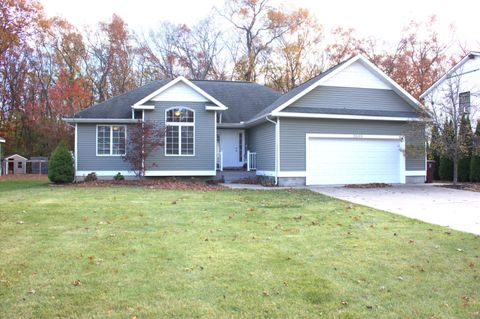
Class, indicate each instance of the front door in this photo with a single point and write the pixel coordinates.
(232, 145)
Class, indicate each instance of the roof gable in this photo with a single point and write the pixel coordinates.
(460, 64)
(357, 75)
(179, 92)
(334, 72)
(16, 156)
(218, 104)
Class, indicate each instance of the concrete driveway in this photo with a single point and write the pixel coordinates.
(456, 209)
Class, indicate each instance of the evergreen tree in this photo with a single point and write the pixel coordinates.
(465, 139)
(434, 150)
(445, 168)
(475, 161)
(60, 166)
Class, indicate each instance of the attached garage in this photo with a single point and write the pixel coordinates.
(354, 159)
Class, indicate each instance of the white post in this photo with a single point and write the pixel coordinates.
(248, 161)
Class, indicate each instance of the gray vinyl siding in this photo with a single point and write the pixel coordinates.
(204, 158)
(87, 159)
(335, 97)
(261, 139)
(293, 138)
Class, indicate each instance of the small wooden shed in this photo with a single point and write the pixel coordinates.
(15, 164)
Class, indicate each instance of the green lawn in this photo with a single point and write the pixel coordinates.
(248, 254)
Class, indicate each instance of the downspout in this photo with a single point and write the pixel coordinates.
(276, 148)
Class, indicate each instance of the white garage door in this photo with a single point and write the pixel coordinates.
(353, 160)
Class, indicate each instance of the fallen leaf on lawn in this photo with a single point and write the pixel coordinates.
(31, 291)
(344, 302)
(20, 222)
(174, 202)
(369, 307)
(265, 293)
(459, 249)
(400, 278)
(411, 241)
(471, 265)
(76, 282)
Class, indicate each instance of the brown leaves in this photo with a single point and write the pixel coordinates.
(77, 282)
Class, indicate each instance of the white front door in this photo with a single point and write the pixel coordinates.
(232, 144)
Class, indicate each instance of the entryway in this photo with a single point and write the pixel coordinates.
(231, 142)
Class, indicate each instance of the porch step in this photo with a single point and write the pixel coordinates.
(230, 176)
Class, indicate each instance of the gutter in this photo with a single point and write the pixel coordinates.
(96, 120)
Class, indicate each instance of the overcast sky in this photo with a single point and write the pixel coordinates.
(381, 19)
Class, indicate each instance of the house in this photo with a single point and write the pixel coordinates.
(463, 80)
(15, 164)
(2, 141)
(350, 124)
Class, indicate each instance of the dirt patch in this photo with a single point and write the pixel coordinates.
(369, 185)
(472, 187)
(158, 183)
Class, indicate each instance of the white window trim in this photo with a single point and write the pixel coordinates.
(133, 114)
(180, 124)
(111, 140)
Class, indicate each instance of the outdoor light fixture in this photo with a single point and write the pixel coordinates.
(178, 113)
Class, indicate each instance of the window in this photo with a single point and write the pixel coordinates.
(111, 140)
(180, 131)
(19, 164)
(464, 102)
(138, 114)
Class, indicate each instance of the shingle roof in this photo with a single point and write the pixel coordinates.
(293, 92)
(119, 107)
(243, 99)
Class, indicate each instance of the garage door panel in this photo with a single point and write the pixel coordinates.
(353, 160)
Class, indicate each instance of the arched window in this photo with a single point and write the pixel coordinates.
(180, 131)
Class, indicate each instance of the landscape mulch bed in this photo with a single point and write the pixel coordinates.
(370, 185)
(473, 187)
(163, 183)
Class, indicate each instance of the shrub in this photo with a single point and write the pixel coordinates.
(92, 177)
(445, 170)
(475, 168)
(60, 166)
(464, 169)
(119, 177)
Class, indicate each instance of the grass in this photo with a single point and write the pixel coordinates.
(224, 254)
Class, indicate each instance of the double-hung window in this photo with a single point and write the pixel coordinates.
(111, 140)
(180, 132)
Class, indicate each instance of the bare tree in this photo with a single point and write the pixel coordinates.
(260, 25)
(144, 138)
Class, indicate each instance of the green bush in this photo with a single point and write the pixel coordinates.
(445, 170)
(475, 168)
(60, 166)
(119, 177)
(91, 177)
(464, 169)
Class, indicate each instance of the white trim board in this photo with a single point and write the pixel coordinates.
(372, 67)
(104, 173)
(415, 173)
(220, 106)
(180, 173)
(265, 173)
(346, 117)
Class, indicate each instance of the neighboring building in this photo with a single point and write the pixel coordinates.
(2, 141)
(463, 79)
(15, 164)
(350, 124)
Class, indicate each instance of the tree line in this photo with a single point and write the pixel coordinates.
(50, 69)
